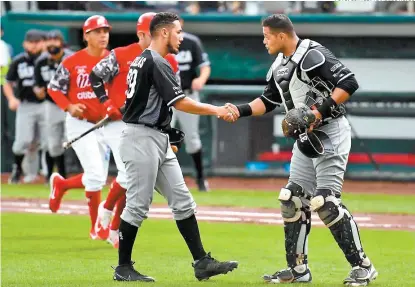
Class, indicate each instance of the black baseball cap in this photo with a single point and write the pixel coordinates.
(55, 34)
(34, 35)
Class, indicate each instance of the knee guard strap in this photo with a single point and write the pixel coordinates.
(328, 207)
(297, 224)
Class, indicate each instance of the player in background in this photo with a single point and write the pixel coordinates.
(113, 70)
(71, 91)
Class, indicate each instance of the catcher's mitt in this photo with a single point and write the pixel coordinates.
(176, 137)
(297, 121)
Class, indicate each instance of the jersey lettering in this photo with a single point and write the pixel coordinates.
(132, 82)
(25, 71)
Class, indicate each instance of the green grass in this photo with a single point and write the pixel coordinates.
(54, 250)
(399, 204)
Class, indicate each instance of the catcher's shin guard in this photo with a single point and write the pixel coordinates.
(297, 224)
(341, 224)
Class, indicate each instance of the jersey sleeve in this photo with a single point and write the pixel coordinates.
(60, 80)
(12, 75)
(175, 66)
(165, 82)
(271, 93)
(108, 67)
(200, 57)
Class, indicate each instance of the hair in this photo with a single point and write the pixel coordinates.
(161, 20)
(279, 22)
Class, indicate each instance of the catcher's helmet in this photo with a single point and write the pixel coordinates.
(95, 22)
(314, 144)
(143, 23)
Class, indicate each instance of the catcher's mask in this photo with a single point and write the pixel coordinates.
(314, 144)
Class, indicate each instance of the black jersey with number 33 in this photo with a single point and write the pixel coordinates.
(152, 90)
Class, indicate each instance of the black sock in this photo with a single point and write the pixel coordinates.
(190, 232)
(197, 159)
(18, 159)
(60, 163)
(127, 234)
(49, 164)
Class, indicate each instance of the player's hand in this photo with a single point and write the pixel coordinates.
(225, 114)
(14, 103)
(197, 84)
(40, 92)
(112, 111)
(233, 109)
(174, 148)
(76, 110)
(317, 121)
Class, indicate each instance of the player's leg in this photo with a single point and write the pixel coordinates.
(170, 183)
(24, 136)
(327, 203)
(141, 153)
(295, 211)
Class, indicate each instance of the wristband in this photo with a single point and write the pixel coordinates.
(327, 107)
(245, 110)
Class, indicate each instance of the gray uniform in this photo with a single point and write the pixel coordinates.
(309, 77)
(145, 149)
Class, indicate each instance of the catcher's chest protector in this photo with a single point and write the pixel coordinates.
(284, 72)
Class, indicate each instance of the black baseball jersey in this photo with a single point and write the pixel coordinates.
(152, 89)
(21, 73)
(45, 68)
(191, 56)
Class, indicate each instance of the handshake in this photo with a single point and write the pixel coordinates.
(228, 112)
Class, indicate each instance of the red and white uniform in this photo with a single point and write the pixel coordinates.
(71, 85)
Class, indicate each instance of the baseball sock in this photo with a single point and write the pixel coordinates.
(49, 164)
(18, 159)
(60, 163)
(94, 198)
(115, 193)
(73, 182)
(115, 224)
(190, 231)
(197, 159)
(127, 236)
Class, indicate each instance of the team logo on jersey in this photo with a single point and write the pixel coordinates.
(82, 81)
(282, 72)
(80, 69)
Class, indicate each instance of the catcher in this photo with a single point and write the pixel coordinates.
(312, 85)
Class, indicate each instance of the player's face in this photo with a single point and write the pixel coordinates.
(175, 38)
(98, 38)
(54, 46)
(273, 41)
(33, 48)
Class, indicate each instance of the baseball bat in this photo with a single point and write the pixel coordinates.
(99, 124)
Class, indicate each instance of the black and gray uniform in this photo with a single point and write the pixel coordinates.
(309, 77)
(45, 68)
(145, 149)
(30, 115)
(191, 57)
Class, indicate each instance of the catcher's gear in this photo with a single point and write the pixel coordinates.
(314, 144)
(176, 137)
(297, 121)
(143, 23)
(95, 22)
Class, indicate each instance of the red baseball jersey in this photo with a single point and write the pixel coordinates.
(114, 68)
(70, 84)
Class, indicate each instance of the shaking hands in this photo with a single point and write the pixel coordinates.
(228, 112)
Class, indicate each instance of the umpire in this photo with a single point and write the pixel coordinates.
(45, 68)
(149, 160)
(30, 116)
(192, 59)
(306, 76)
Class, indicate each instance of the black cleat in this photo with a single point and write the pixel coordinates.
(15, 175)
(202, 185)
(207, 267)
(126, 272)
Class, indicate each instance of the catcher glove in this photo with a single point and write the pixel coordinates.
(297, 121)
(176, 137)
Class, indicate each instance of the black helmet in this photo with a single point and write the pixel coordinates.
(314, 144)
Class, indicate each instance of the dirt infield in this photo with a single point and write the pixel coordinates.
(215, 214)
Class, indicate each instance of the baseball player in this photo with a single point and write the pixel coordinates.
(149, 160)
(29, 108)
(113, 70)
(45, 68)
(191, 58)
(71, 90)
(307, 75)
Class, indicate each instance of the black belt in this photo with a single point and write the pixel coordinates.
(160, 129)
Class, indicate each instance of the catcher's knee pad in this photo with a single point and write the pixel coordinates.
(297, 223)
(327, 206)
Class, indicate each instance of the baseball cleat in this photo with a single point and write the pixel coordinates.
(202, 185)
(361, 276)
(126, 272)
(113, 238)
(56, 191)
(288, 276)
(15, 175)
(207, 267)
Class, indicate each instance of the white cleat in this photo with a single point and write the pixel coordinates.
(361, 276)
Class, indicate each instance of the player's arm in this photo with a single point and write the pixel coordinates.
(11, 77)
(58, 89)
(168, 87)
(202, 62)
(322, 63)
(39, 87)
